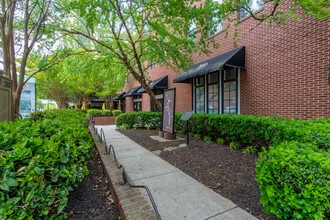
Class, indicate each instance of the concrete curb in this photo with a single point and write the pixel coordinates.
(131, 202)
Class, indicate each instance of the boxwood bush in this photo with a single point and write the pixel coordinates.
(293, 167)
(41, 159)
(149, 120)
(98, 112)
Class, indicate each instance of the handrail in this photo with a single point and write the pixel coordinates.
(108, 150)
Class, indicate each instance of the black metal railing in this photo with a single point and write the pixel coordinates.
(108, 150)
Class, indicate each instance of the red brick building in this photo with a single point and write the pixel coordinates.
(279, 70)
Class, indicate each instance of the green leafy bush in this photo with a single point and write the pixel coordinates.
(220, 141)
(41, 159)
(106, 112)
(294, 181)
(116, 112)
(139, 120)
(207, 139)
(99, 112)
(94, 112)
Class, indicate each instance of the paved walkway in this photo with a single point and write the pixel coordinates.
(177, 195)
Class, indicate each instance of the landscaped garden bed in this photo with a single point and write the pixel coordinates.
(292, 167)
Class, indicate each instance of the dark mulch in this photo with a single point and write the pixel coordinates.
(231, 173)
(92, 198)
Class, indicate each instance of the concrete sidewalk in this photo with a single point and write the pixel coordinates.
(177, 195)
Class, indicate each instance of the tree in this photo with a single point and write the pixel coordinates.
(22, 25)
(50, 86)
(91, 73)
(319, 9)
(79, 76)
(136, 33)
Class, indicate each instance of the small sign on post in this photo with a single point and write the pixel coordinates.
(185, 117)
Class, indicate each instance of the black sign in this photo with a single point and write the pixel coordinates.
(168, 110)
(186, 116)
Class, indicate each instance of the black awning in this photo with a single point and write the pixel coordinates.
(160, 83)
(119, 96)
(233, 58)
(97, 100)
(134, 91)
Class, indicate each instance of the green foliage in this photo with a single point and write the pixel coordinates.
(234, 145)
(116, 112)
(197, 136)
(106, 112)
(41, 159)
(139, 120)
(250, 150)
(94, 112)
(207, 139)
(294, 181)
(220, 141)
(99, 112)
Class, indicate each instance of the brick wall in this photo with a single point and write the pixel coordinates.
(286, 68)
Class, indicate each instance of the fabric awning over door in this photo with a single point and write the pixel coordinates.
(234, 58)
(133, 91)
(160, 83)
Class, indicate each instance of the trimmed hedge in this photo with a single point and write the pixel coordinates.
(150, 120)
(244, 130)
(99, 112)
(293, 169)
(41, 159)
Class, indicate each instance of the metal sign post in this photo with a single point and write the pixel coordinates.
(185, 117)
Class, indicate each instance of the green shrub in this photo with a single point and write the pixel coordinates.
(250, 150)
(234, 145)
(207, 139)
(41, 159)
(152, 120)
(220, 141)
(116, 112)
(294, 181)
(94, 112)
(197, 136)
(106, 112)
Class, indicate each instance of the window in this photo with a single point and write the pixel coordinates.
(153, 65)
(199, 84)
(137, 103)
(192, 32)
(229, 93)
(159, 96)
(216, 24)
(213, 93)
(252, 6)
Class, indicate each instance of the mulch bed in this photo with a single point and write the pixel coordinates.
(231, 173)
(92, 198)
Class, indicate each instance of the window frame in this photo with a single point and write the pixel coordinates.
(215, 23)
(223, 82)
(243, 13)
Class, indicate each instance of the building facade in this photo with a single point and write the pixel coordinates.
(270, 70)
